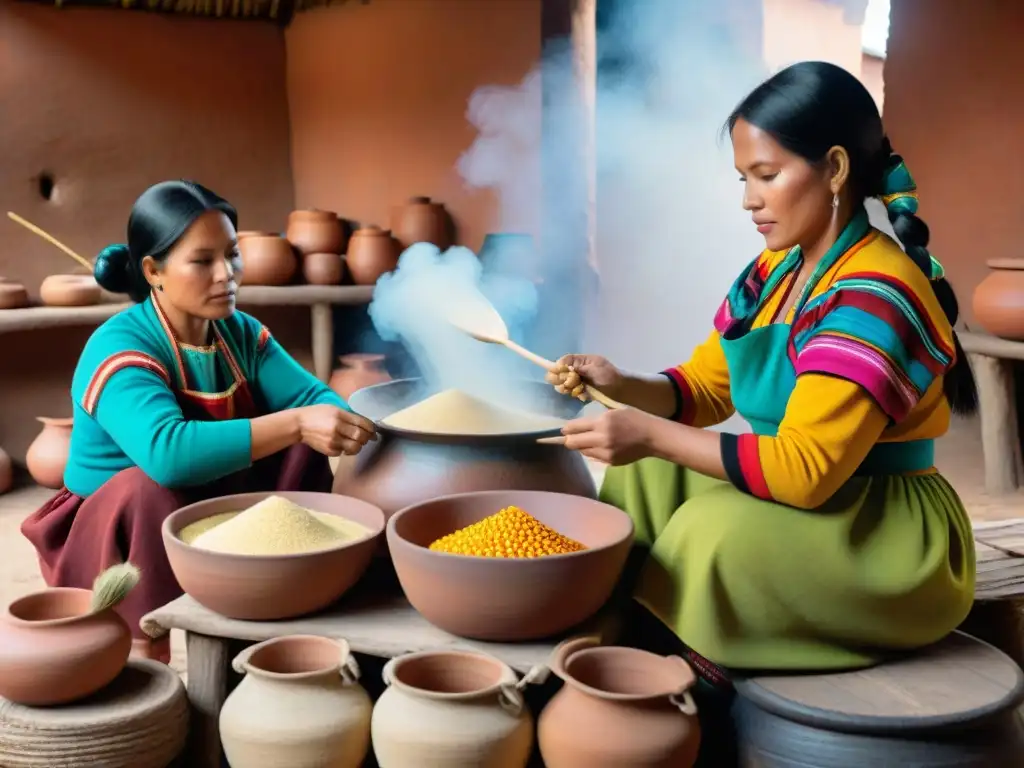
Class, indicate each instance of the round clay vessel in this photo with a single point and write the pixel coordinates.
(12, 295)
(323, 268)
(48, 454)
(507, 600)
(300, 704)
(70, 291)
(357, 370)
(6, 471)
(461, 708)
(619, 706)
(316, 232)
(998, 300)
(372, 252)
(423, 221)
(54, 651)
(269, 587)
(267, 260)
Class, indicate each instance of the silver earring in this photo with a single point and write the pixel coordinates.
(835, 200)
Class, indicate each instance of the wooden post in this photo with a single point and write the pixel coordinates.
(208, 661)
(322, 340)
(999, 438)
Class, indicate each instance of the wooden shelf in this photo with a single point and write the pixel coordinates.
(34, 318)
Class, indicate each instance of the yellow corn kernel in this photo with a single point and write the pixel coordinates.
(510, 533)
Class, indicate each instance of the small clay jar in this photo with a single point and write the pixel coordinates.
(267, 260)
(48, 454)
(323, 268)
(12, 295)
(619, 706)
(6, 471)
(299, 705)
(54, 650)
(463, 709)
(998, 301)
(70, 291)
(372, 252)
(357, 370)
(423, 221)
(316, 232)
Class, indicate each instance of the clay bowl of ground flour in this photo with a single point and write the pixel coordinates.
(266, 556)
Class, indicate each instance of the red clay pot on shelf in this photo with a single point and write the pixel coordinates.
(323, 268)
(316, 231)
(998, 300)
(423, 221)
(48, 454)
(12, 295)
(267, 260)
(372, 252)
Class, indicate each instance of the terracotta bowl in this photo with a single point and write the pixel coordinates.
(70, 291)
(509, 600)
(269, 587)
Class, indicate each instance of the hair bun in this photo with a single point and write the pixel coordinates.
(113, 269)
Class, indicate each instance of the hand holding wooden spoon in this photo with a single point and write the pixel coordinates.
(572, 373)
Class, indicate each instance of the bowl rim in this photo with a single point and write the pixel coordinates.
(171, 538)
(392, 527)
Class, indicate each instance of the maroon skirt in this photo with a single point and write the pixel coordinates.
(78, 538)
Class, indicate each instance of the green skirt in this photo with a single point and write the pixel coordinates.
(886, 565)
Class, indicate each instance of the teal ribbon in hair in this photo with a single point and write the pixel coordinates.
(899, 193)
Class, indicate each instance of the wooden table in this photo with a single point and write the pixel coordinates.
(376, 626)
(319, 299)
(992, 361)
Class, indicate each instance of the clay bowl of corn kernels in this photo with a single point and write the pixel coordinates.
(496, 581)
(266, 587)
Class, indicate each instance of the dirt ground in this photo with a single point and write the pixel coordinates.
(959, 456)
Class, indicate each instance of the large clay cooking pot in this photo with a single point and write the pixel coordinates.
(54, 651)
(619, 706)
(48, 453)
(423, 221)
(999, 299)
(372, 252)
(315, 232)
(405, 468)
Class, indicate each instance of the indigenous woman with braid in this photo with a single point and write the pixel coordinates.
(826, 539)
(178, 399)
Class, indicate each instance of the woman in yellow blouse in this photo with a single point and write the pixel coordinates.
(825, 539)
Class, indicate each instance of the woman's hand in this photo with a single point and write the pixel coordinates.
(334, 431)
(615, 437)
(573, 372)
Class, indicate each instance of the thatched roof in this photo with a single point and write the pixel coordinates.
(280, 11)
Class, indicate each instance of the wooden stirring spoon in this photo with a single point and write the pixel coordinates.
(478, 318)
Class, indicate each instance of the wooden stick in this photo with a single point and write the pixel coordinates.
(50, 239)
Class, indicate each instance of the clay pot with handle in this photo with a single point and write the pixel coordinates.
(619, 706)
(372, 252)
(463, 709)
(314, 231)
(55, 650)
(48, 454)
(998, 301)
(423, 221)
(300, 704)
(357, 370)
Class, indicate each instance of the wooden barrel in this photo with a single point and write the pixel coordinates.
(138, 721)
(953, 705)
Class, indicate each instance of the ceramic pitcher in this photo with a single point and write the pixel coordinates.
(299, 705)
(618, 707)
(452, 709)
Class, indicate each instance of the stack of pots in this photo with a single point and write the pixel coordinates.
(319, 238)
(301, 704)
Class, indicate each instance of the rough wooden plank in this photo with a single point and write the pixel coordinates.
(992, 346)
(1000, 441)
(385, 627)
(35, 318)
(1006, 538)
(207, 690)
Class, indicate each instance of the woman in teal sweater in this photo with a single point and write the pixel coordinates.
(178, 399)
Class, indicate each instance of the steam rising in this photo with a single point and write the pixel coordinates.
(671, 234)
